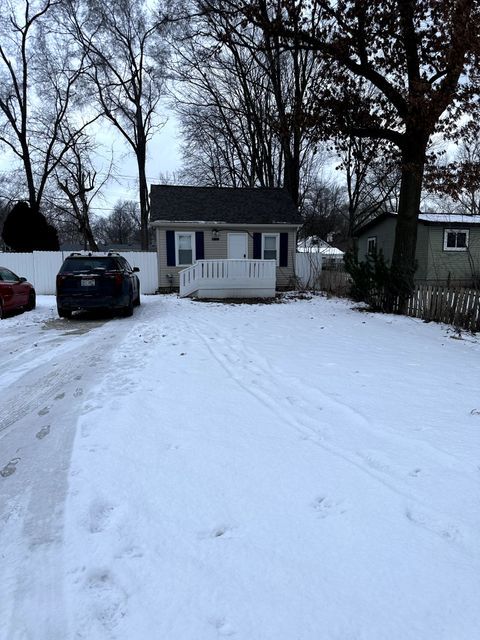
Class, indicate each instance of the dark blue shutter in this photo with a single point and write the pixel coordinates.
(257, 246)
(284, 249)
(199, 246)
(170, 235)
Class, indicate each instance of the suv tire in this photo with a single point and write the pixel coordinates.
(64, 313)
(128, 310)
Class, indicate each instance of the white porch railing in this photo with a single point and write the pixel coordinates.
(229, 279)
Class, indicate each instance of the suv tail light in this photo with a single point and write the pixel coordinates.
(60, 279)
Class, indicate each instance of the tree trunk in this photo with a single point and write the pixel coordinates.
(403, 259)
(144, 208)
(141, 153)
(88, 236)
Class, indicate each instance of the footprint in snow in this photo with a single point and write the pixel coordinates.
(44, 411)
(222, 626)
(60, 396)
(108, 599)
(99, 515)
(78, 392)
(217, 532)
(326, 506)
(9, 468)
(130, 552)
(44, 431)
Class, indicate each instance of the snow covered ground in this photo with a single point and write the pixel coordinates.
(296, 471)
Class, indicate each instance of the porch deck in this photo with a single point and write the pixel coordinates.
(229, 279)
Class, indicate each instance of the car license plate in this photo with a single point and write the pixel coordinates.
(87, 283)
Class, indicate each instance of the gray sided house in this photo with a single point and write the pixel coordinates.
(448, 246)
(236, 227)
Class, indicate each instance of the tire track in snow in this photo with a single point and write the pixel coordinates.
(47, 395)
(270, 394)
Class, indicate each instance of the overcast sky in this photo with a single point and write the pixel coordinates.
(163, 157)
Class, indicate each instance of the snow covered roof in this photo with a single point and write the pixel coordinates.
(425, 218)
(449, 217)
(317, 245)
(220, 205)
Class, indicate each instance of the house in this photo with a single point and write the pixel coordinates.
(244, 239)
(331, 256)
(448, 246)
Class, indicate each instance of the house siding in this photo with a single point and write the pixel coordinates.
(384, 231)
(421, 253)
(217, 249)
(457, 267)
(434, 264)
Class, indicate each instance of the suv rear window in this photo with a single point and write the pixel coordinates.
(88, 264)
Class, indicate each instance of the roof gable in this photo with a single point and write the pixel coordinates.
(223, 205)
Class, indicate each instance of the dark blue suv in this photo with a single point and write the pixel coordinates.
(92, 281)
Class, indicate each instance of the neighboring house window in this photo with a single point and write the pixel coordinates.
(185, 247)
(455, 240)
(372, 245)
(270, 246)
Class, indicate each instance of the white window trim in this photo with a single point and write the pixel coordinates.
(177, 258)
(277, 244)
(445, 236)
(374, 238)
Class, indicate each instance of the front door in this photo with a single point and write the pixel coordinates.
(237, 246)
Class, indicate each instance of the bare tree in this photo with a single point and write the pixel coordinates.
(39, 69)
(419, 56)
(244, 102)
(78, 184)
(122, 226)
(123, 42)
(325, 209)
(372, 180)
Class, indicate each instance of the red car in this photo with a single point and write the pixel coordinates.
(15, 293)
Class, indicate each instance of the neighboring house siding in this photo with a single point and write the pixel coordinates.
(218, 249)
(434, 263)
(455, 266)
(384, 231)
(421, 253)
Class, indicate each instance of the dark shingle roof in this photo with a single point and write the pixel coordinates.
(215, 204)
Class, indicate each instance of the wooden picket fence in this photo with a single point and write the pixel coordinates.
(335, 281)
(459, 307)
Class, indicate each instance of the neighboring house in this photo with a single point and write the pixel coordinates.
(331, 256)
(448, 246)
(195, 224)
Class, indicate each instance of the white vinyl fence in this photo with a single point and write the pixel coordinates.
(308, 269)
(41, 268)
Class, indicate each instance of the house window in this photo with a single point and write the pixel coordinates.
(372, 245)
(270, 246)
(455, 240)
(185, 247)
